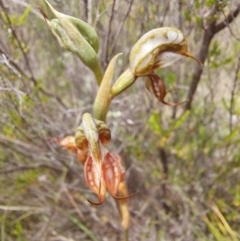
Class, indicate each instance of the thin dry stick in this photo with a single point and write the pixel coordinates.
(32, 78)
(23, 208)
(20, 143)
(228, 19)
(230, 29)
(209, 32)
(162, 14)
(231, 108)
(97, 14)
(72, 201)
(108, 33)
(120, 27)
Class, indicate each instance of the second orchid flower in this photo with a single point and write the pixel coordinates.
(159, 48)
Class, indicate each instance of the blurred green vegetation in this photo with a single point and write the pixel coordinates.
(184, 162)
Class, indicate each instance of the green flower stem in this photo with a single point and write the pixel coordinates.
(126, 79)
(103, 98)
(97, 70)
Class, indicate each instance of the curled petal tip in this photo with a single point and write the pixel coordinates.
(174, 104)
(192, 57)
(126, 197)
(97, 204)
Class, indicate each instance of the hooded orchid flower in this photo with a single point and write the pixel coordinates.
(102, 169)
(159, 48)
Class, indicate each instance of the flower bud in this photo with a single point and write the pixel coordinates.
(78, 37)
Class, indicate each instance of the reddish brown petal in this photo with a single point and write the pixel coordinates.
(94, 180)
(104, 136)
(112, 173)
(68, 143)
(119, 159)
(122, 198)
(82, 156)
(159, 89)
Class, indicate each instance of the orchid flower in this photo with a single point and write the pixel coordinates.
(159, 48)
(69, 144)
(102, 169)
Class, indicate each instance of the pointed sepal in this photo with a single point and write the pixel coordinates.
(94, 180)
(67, 143)
(113, 174)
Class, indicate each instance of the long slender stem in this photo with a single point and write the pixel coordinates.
(103, 100)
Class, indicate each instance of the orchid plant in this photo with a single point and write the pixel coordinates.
(159, 48)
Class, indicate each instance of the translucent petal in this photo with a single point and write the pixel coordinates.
(94, 180)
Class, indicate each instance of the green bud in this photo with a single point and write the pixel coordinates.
(78, 37)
